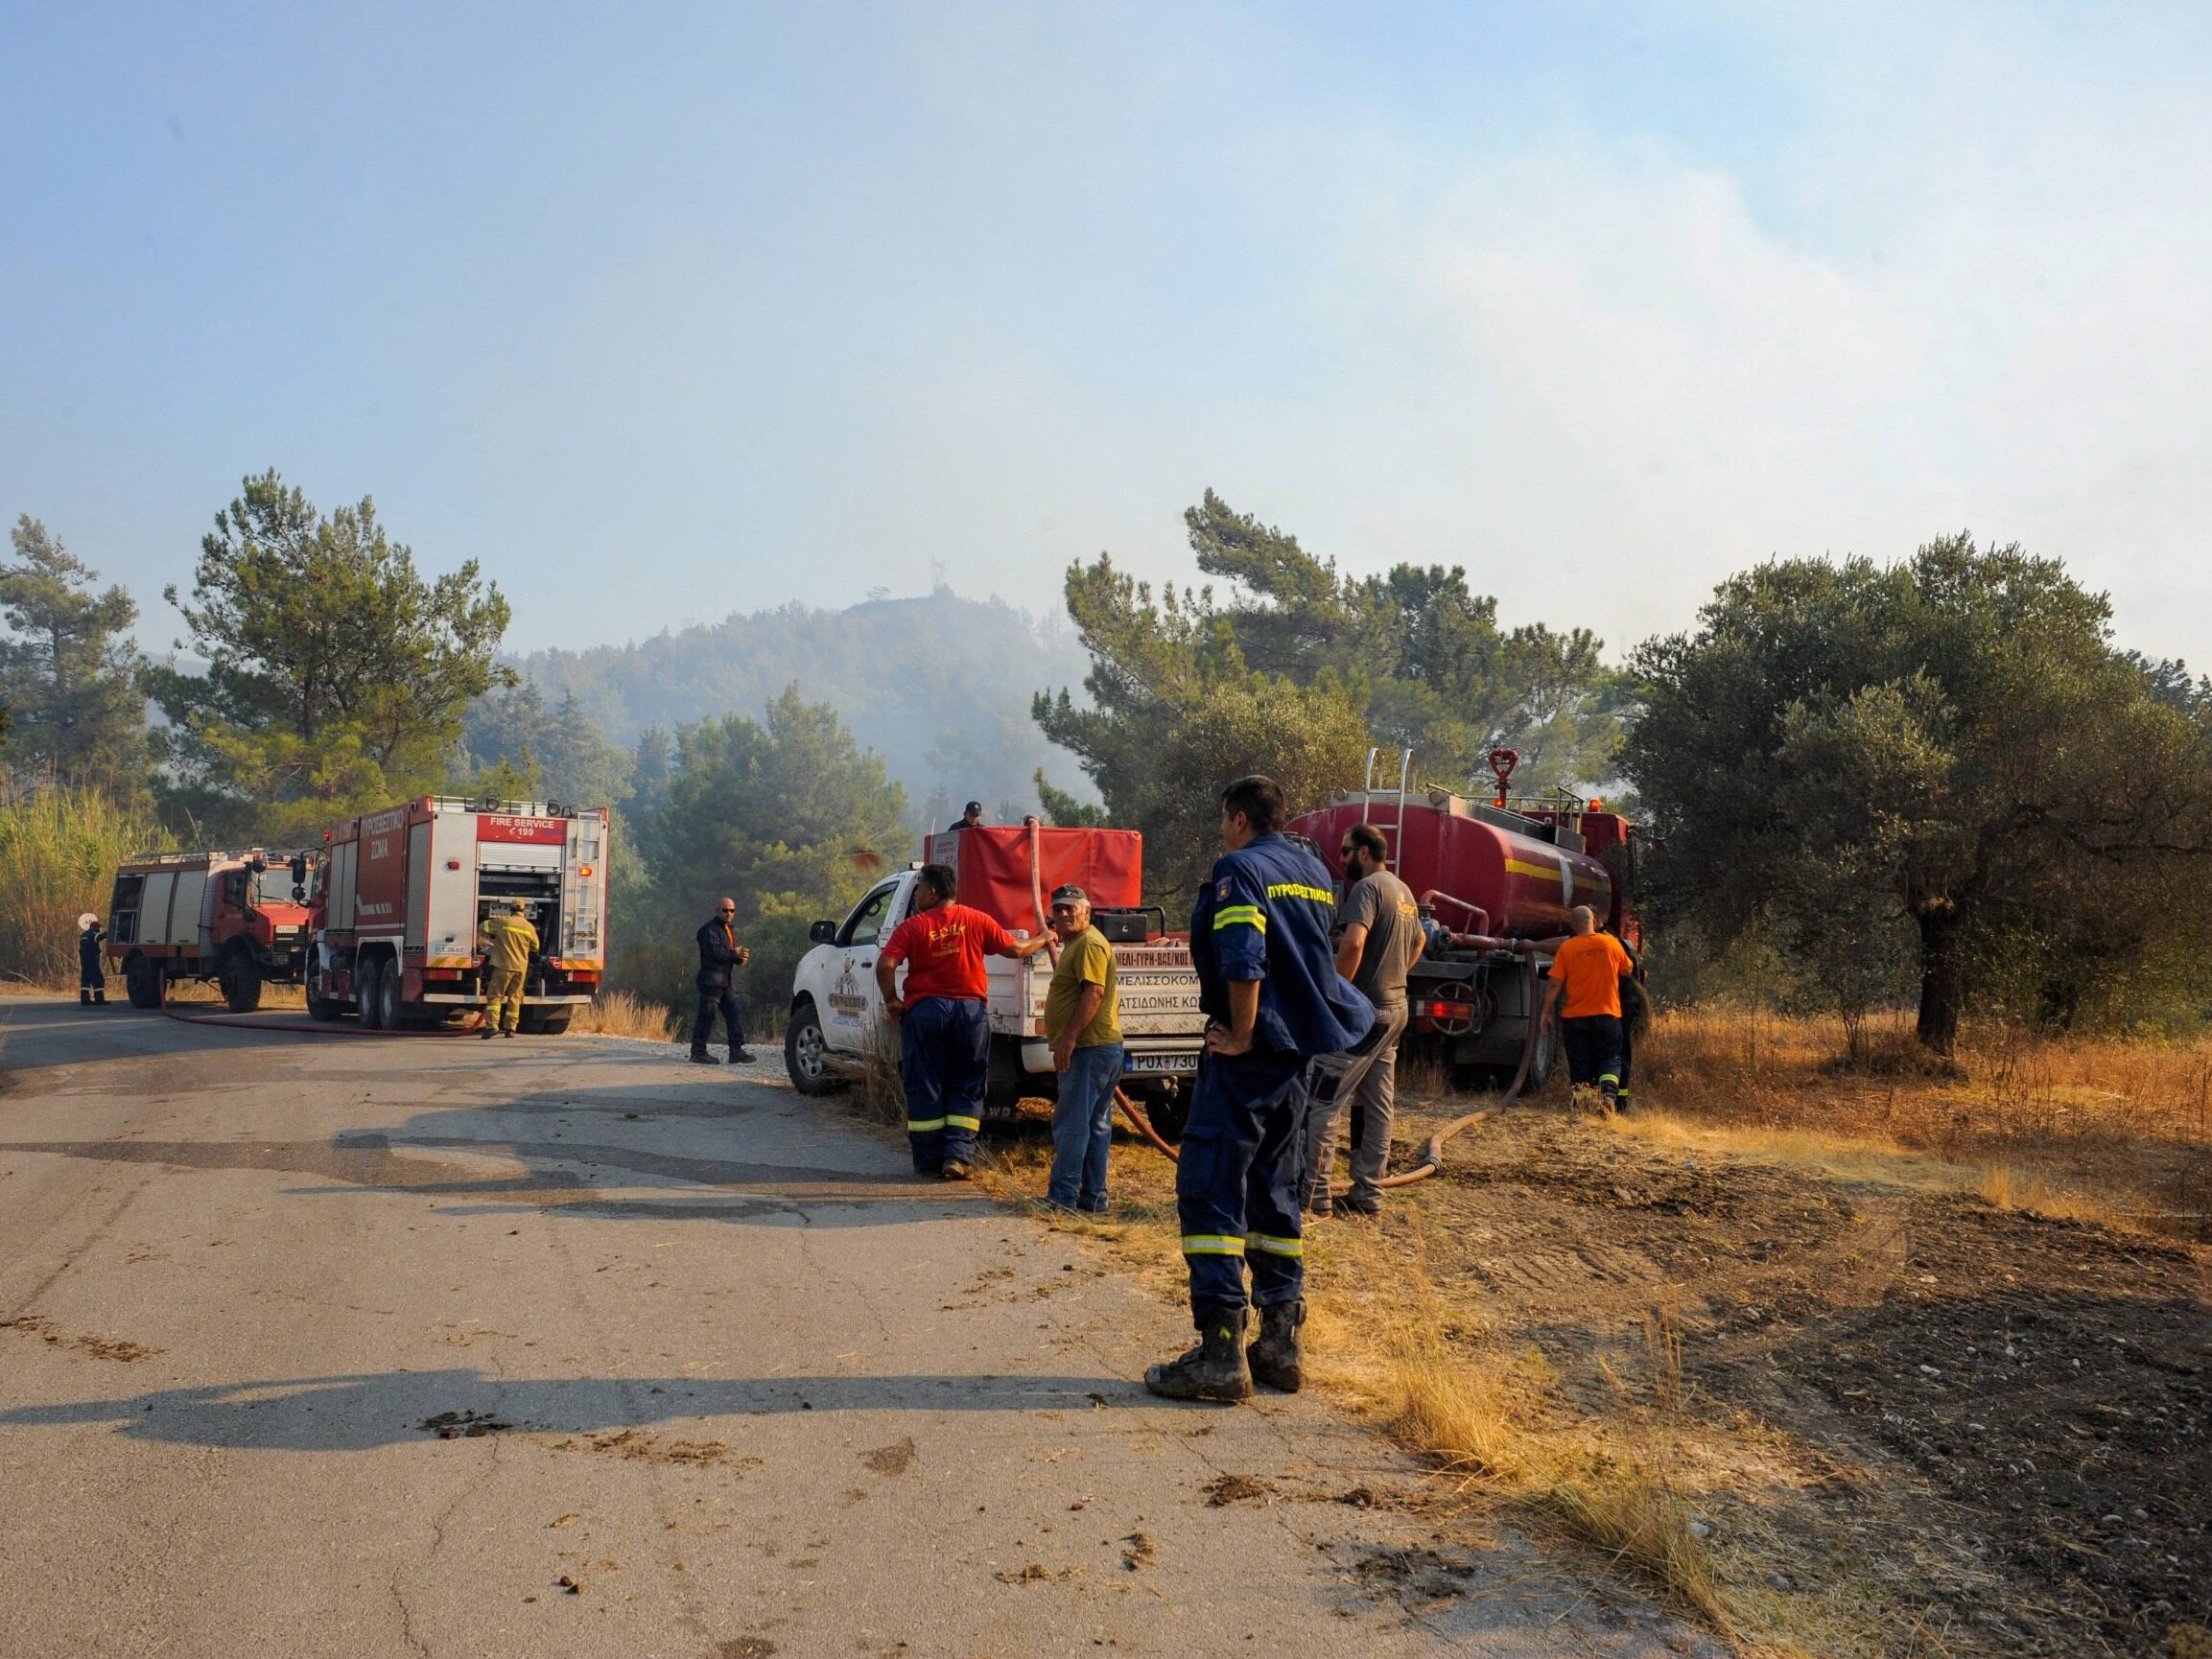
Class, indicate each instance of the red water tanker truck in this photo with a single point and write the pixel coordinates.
(1496, 876)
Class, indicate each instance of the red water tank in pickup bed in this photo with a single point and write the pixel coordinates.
(993, 862)
(1496, 862)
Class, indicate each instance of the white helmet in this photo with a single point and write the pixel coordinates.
(87, 920)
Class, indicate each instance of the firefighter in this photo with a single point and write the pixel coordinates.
(1379, 940)
(91, 977)
(508, 942)
(1585, 973)
(944, 1023)
(1273, 998)
(971, 816)
(720, 956)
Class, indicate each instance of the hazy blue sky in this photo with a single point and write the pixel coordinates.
(663, 312)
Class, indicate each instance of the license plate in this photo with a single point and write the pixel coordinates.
(1160, 1063)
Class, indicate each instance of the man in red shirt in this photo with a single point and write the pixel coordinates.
(1586, 976)
(944, 1027)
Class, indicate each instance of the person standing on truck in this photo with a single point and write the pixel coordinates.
(971, 816)
(1380, 939)
(1083, 1024)
(720, 956)
(509, 942)
(91, 973)
(1586, 972)
(944, 1023)
(1268, 985)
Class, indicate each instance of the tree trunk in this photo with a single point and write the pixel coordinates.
(1942, 981)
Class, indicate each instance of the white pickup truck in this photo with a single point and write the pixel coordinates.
(837, 1017)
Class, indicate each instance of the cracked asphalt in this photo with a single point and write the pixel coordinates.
(348, 1345)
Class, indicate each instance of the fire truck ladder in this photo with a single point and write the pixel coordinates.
(1395, 832)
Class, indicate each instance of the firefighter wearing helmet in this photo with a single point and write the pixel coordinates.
(509, 942)
(91, 975)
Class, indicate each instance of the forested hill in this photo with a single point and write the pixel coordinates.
(939, 686)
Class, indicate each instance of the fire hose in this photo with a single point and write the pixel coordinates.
(1432, 1149)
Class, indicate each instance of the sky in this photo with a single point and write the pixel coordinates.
(662, 311)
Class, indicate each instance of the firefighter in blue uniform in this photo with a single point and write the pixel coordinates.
(1273, 1001)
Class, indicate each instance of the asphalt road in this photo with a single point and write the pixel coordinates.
(346, 1346)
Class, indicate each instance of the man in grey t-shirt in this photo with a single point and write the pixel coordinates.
(1379, 939)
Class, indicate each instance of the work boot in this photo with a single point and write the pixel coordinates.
(489, 1032)
(1213, 1370)
(100, 1000)
(1273, 1357)
(743, 1057)
(85, 1000)
(508, 1032)
(954, 1169)
(701, 1056)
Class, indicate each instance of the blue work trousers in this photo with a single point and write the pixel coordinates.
(1236, 1183)
(1593, 1043)
(944, 1057)
(1083, 1128)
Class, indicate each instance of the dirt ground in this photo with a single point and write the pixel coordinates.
(1907, 1422)
(1992, 1424)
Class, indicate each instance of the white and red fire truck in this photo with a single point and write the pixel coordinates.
(401, 894)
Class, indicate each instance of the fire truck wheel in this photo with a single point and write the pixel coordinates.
(806, 1056)
(142, 980)
(390, 1012)
(241, 981)
(545, 1021)
(368, 987)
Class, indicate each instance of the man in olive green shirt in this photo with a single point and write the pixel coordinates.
(1083, 1024)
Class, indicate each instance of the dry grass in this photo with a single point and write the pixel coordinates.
(58, 850)
(619, 1013)
(2113, 1128)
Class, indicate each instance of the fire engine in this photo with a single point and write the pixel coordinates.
(401, 894)
(237, 918)
(1498, 877)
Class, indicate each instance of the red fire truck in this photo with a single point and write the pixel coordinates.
(401, 894)
(1498, 877)
(237, 918)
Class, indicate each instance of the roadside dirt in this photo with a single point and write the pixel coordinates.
(1971, 1429)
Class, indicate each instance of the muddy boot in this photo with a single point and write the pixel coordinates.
(1213, 1370)
(1273, 1357)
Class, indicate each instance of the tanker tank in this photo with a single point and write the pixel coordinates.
(1485, 870)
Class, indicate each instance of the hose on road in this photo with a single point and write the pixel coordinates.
(248, 1022)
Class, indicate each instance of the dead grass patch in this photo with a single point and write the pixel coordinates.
(2103, 1128)
(619, 1014)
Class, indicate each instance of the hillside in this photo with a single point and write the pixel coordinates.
(939, 686)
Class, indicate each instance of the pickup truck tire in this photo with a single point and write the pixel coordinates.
(142, 983)
(241, 981)
(805, 1054)
(1006, 1086)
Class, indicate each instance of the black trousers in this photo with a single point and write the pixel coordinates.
(719, 999)
(1593, 1044)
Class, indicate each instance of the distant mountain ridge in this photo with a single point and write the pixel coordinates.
(938, 684)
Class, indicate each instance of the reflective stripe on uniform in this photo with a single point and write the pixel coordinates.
(923, 1125)
(1211, 1244)
(954, 1121)
(1233, 914)
(1277, 1246)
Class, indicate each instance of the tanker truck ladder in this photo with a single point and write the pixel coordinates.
(1394, 833)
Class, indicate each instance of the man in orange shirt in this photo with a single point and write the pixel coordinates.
(1585, 988)
(943, 1019)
